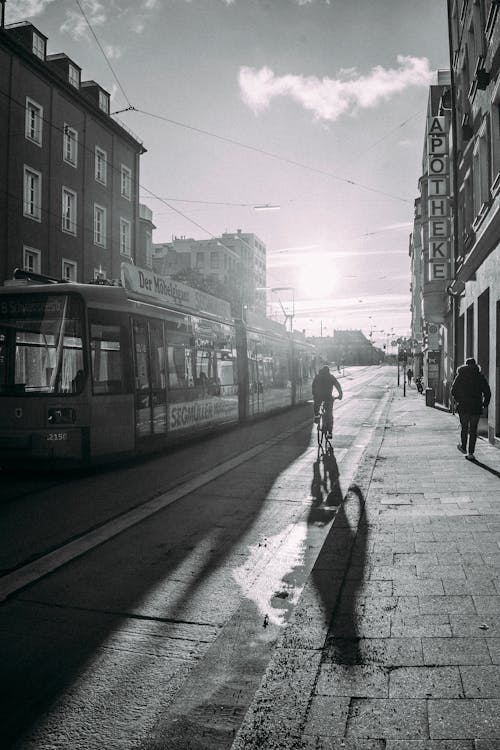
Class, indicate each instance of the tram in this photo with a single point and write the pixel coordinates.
(96, 372)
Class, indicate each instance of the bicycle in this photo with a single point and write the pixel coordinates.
(324, 430)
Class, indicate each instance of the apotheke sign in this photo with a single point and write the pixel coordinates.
(438, 200)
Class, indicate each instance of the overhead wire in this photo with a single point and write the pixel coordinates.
(106, 57)
(270, 154)
(240, 144)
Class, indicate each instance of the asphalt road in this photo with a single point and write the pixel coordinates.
(140, 604)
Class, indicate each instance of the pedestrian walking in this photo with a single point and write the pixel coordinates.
(409, 375)
(472, 393)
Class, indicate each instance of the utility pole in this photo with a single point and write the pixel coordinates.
(3, 13)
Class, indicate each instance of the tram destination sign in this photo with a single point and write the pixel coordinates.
(164, 290)
(35, 307)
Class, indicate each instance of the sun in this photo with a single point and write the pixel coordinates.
(315, 280)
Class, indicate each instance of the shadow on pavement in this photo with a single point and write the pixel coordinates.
(487, 468)
(338, 576)
(144, 584)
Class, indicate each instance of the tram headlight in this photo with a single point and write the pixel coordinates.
(63, 415)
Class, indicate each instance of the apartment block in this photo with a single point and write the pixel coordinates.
(69, 171)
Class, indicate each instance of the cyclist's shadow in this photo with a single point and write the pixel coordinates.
(325, 485)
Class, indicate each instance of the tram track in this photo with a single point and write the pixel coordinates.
(42, 562)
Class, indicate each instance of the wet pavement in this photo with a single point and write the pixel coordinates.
(395, 641)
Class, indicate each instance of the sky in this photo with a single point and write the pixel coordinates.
(315, 106)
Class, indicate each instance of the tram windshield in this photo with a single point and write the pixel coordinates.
(41, 344)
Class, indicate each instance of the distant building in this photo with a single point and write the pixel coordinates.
(347, 348)
(237, 261)
(144, 255)
(70, 173)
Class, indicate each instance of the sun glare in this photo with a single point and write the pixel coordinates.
(315, 281)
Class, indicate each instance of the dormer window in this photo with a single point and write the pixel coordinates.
(74, 76)
(38, 46)
(104, 102)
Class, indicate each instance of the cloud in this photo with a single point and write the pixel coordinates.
(329, 98)
(20, 9)
(76, 25)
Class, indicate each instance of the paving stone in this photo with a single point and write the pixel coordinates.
(418, 587)
(327, 716)
(415, 626)
(316, 742)
(476, 586)
(475, 626)
(481, 682)
(384, 651)
(463, 719)
(356, 680)
(425, 682)
(392, 572)
(451, 651)
(440, 571)
(494, 649)
(368, 626)
(446, 604)
(430, 745)
(487, 604)
(387, 718)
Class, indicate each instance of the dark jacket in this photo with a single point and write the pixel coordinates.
(323, 383)
(471, 390)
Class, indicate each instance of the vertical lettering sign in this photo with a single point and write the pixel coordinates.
(438, 200)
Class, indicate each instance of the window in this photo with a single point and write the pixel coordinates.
(31, 259)
(32, 194)
(69, 270)
(104, 102)
(99, 225)
(70, 145)
(44, 345)
(214, 259)
(74, 76)
(100, 165)
(107, 343)
(68, 211)
(124, 237)
(34, 120)
(481, 169)
(200, 259)
(126, 182)
(38, 46)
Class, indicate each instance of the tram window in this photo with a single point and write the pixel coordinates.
(158, 374)
(141, 355)
(41, 347)
(107, 358)
(177, 367)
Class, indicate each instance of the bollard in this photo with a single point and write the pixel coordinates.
(429, 397)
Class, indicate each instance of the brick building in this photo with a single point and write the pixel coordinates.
(69, 172)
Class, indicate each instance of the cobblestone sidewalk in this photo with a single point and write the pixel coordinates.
(395, 644)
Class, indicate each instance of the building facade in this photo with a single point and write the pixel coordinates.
(475, 289)
(69, 173)
(431, 248)
(456, 237)
(237, 261)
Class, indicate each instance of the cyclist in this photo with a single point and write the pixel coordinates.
(322, 386)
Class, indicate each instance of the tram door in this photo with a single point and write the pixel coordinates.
(150, 391)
